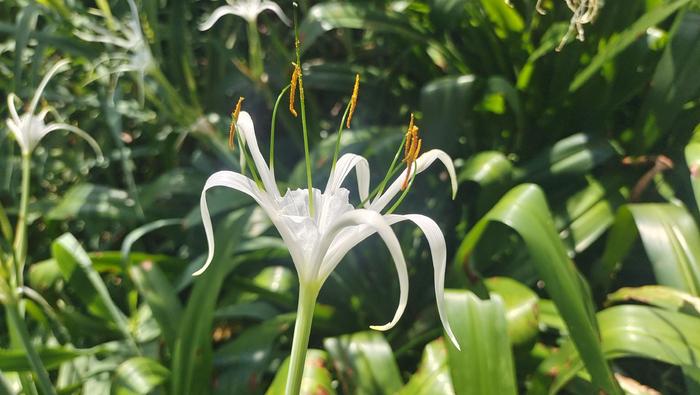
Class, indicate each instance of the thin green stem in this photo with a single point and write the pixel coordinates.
(339, 135)
(17, 322)
(274, 126)
(20, 245)
(307, 157)
(255, 61)
(405, 191)
(300, 342)
(390, 173)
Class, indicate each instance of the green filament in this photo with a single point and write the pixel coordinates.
(274, 124)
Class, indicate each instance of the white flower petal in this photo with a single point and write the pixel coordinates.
(247, 129)
(42, 85)
(227, 179)
(438, 250)
(422, 163)
(73, 129)
(369, 220)
(272, 6)
(244, 184)
(13, 111)
(19, 136)
(343, 168)
(216, 15)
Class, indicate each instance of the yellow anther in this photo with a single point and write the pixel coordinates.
(293, 87)
(353, 99)
(407, 142)
(412, 147)
(234, 120)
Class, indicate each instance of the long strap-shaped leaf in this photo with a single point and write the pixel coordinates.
(525, 210)
(671, 241)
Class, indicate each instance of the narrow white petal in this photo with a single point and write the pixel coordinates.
(343, 168)
(247, 129)
(227, 179)
(371, 222)
(422, 163)
(438, 250)
(13, 111)
(44, 82)
(216, 15)
(272, 6)
(69, 128)
(19, 136)
(244, 184)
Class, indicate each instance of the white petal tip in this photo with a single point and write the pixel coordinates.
(199, 272)
(381, 327)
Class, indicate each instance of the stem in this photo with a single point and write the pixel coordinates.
(339, 135)
(300, 342)
(20, 246)
(307, 157)
(254, 52)
(18, 324)
(273, 126)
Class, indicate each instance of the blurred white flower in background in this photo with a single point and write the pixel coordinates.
(246, 9)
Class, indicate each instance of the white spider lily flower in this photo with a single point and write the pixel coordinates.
(29, 128)
(318, 242)
(246, 9)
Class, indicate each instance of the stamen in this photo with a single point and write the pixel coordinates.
(353, 99)
(293, 88)
(234, 120)
(412, 146)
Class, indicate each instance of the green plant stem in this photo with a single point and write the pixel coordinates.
(20, 245)
(339, 135)
(307, 157)
(254, 52)
(300, 342)
(273, 126)
(17, 322)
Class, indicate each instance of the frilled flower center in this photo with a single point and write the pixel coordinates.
(307, 230)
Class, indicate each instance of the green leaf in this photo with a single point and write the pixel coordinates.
(334, 15)
(671, 241)
(482, 332)
(53, 357)
(433, 376)
(524, 209)
(573, 155)
(160, 296)
(364, 363)
(138, 376)
(619, 42)
(521, 307)
(316, 378)
(191, 364)
(636, 331)
(675, 79)
(94, 201)
(659, 296)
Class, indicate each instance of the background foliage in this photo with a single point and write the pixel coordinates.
(574, 237)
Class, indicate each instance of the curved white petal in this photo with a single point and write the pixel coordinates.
(73, 129)
(247, 129)
(272, 6)
(42, 85)
(13, 111)
(422, 163)
(243, 184)
(343, 168)
(19, 136)
(227, 179)
(438, 250)
(372, 222)
(216, 15)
